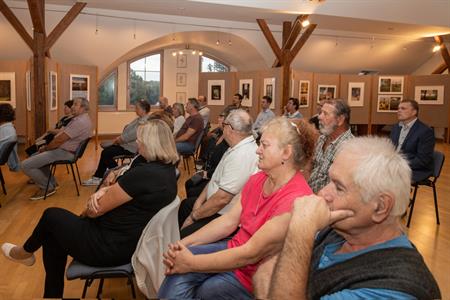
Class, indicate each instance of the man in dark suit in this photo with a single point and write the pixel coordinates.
(414, 139)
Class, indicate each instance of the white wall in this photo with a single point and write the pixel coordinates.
(430, 65)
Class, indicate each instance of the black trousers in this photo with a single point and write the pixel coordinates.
(194, 190)
(107, 161)
(183, 213)
(61, 233)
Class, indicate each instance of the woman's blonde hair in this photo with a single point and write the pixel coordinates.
(157, 140)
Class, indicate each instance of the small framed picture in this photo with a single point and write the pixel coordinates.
(428, 94)
(181, 61)
(269, 90)
(180, 97)
(181, 79)
(53, 90)
(28, 87)
(245, 89)
(326, 92)
(8, 88)
(355, 94)
(79, 86)
(216, 92)
(390, 85)
(388, 103)
(303, 93)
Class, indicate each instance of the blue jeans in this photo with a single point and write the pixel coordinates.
(204, 285)
(184, 147)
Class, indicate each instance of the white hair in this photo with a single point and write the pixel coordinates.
(380, 169)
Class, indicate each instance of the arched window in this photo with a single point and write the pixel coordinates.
(208, 64)
(145, 79)
(107, 92)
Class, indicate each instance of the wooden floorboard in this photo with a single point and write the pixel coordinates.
(18, 216)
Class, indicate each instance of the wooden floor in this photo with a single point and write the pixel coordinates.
(18, 216)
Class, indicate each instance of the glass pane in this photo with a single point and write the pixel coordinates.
(211, 65)
(138, 65)
(153, 62)
(107, 91)
(144, 89)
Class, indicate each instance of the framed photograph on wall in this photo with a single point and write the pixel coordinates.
(181, 79)
(8, 88)
(53, 90)
(355, 94)
(269, 90)
(245, 89)
(180, 97)
(79, 86)
(303, 93)
(429, 94)
(28, 88)
(181, 61)
(216, 92)
(388, 103)
(390, 85)
(326, 92)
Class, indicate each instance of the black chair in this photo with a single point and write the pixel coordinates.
(439, 159)
(194, 154)
(78, 154)
(4, 155)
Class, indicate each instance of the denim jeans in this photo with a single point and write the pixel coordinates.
(223, 285)
(185, 147)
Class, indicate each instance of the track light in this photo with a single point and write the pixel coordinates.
(305, 23)
(436, 48)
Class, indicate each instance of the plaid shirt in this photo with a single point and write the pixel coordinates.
(323, 160)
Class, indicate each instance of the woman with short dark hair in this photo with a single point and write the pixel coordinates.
(8, 134)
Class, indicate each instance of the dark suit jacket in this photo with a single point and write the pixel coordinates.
(418, 148)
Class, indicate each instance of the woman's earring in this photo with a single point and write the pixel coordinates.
(282, 162)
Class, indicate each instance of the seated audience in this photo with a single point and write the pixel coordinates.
(108, 231)
(232, 172)
(414, 139)
(204, 110)
(213, 268)
(178, 114)
(125, 144)
(264, 116)
(348, 242)
(8, 134)
(62, 147)
(334, 124)
(237, 104)
(315, 119)
(164, 105)
(191, 130)
(210, 154)
(50, 134)
(291, 109)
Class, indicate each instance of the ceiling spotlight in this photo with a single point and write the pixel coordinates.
(200, 53)
(436, 48)
(217, 42)
(193, 52)
(174, 53)
(180, 52)
(305, 23)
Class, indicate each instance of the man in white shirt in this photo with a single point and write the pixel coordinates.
(264, 116)
(204, 110)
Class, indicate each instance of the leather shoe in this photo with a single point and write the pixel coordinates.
(6, 249)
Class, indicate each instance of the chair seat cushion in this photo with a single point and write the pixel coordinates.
(79, 270)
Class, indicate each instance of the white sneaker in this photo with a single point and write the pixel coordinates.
(7, 247)
(94, 181)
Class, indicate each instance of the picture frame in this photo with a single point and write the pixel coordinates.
(216, 92)
(180, 97)
(355, 96)
(79, 86)
(181, 61)
(181, 79)
(325, 92)
(28, 89)
(388, 103)
(8, 88)
(269, 90)
(246, 90)
(429, 94)
(303, 93)
(53, 90)
(390, 84)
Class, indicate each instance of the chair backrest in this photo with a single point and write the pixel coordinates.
(439, 159)
(81, 148)
(200, 138)
(6, 151)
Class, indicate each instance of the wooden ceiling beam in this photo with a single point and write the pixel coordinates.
(270, 39)
(444, 50)
(64, 24)
(293, 34)
(37, 8)
(440, 69)
(301, 42)
(15, 23)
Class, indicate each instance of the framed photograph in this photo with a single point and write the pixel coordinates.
(181, 79)
(303, 93)
(292, 87)
(269, 90)
(28, 87)
(429, 94)
(53, 90)
(8, 88)
(181, 61)
(390, 85)
(355, 94)
(180, 97)
(216, 92)
(245, 89)
(79, 86)
(326, 92)
(388, 103)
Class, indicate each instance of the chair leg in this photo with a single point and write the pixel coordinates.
(436, 204)
(87, 283)
(67, 169)
(412, 205)
(75, 179)
(100, 289)
(3, 181)
(131, 283)
(78, 173)
(52, 173)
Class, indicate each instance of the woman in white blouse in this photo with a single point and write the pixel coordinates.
(178, 113)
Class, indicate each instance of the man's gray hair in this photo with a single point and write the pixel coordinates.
(83, 102)
(241, 121)
(342, 108)
(379, 169)
(194, 103)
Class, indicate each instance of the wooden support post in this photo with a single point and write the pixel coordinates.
(39, 94)
(444, 51)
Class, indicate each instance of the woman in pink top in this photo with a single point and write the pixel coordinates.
(214, 268)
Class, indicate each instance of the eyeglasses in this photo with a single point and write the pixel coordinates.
(225, 123)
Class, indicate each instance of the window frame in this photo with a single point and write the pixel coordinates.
(112, 107)
(129, 106)
(212, 58)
